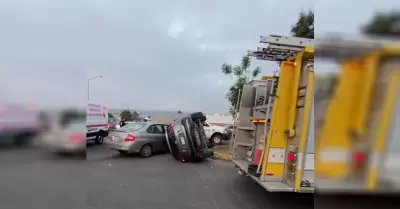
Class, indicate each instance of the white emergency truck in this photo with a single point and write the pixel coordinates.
(96, 122)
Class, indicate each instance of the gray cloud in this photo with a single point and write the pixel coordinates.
(152, 54)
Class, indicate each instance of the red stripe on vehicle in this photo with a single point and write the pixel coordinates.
(97, 125)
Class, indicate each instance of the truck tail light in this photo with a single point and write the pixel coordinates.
(130, 138)
(359, 158)
(291, 156)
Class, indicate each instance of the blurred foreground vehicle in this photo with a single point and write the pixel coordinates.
(357, 145)
(97, 123)
(19, 124)
(139, 137)
(65, 132)
(272, 142)
(186, 138)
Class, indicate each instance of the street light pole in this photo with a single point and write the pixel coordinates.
(89, 79)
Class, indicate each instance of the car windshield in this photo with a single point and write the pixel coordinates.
(132, 127)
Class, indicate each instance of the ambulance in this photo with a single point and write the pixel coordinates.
(96, 122)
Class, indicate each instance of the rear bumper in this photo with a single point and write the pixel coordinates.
(68, 148)
(130, 147)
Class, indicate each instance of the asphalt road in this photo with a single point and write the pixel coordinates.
(31, 178)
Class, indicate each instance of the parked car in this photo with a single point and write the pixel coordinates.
(139, 137)
(65, 134)
(215, 134)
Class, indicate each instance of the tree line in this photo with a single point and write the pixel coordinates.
(127, 115)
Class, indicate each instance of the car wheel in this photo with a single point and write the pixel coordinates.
(146, 151)
(99, 139)
(210, 144)
(217, 139)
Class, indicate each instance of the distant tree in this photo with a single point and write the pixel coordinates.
(135, 115)
(383, 24)
(242, 75)
(304, 27)
(179, 112)
(127, 115)
(110, 115)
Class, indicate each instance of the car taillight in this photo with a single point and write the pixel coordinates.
(171, 126)
(76, 138)
(130, 138)
(359, 158)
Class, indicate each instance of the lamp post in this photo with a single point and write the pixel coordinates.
(89, 79)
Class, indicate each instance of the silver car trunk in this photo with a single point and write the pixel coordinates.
(117, 135)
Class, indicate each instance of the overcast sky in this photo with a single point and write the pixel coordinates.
(153, 54)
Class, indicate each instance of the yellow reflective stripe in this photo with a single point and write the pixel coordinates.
(383, 129)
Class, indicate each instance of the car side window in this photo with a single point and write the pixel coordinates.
(155, 129)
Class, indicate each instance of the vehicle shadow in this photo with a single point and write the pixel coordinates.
(371, 201)
(253, 192)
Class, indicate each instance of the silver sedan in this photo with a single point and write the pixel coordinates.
(141, 138)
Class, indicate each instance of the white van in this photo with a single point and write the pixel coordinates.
(96, 122)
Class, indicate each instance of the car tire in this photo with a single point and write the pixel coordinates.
(99, 139)
(198, 116)
(217, 139)
(146, 151)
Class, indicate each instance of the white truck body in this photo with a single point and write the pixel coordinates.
(96, 120)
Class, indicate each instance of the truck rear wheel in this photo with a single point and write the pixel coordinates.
(99, 139)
